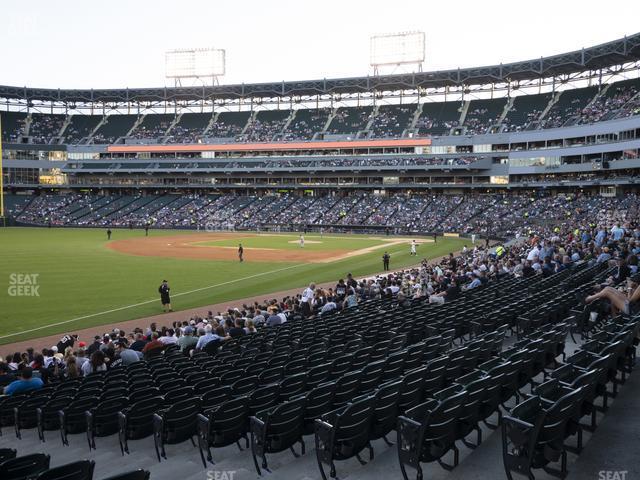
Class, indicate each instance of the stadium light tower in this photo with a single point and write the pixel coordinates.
(396, 49)
(195, 63)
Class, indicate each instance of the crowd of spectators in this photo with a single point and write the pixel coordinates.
(391, 122)
(350, 120)
(263, 130)
(607, 106)
(181, 134)
(306, 124)
(427, 124)
(621, 100)
(482, 214)
(530, 117)
(222, 129)
(577, 229)
(44, 128)
(154, 131)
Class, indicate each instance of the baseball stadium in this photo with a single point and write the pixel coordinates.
(412, 273)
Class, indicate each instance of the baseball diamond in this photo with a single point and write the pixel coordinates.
(324, 245)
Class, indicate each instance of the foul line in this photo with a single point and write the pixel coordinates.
(150, 301)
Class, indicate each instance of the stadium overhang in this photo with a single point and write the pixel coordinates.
(618, 52)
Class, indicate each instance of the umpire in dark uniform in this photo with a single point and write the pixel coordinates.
(240, 252)
(385, 261)
(163, 290)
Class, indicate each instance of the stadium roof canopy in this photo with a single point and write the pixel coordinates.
(617, 52)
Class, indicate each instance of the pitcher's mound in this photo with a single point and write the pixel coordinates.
(306, 241)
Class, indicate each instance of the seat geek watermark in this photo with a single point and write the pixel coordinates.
(24, 285)
(221, 474)
(612, 475)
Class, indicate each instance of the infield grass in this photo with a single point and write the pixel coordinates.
(77, 276)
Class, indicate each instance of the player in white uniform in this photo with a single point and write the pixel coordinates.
(473, 238)
(413, 247)
(301, 241)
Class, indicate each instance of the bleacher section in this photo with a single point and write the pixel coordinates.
(349, 121)
(13, 124)
(525, 110)
(495, 214)
(439, 377)
(44, 127)
(153, 126)
(574, 106)
(115, 126)
(438, 118)
(568, 106)
(392, 120)
(483, 114)
(80, 127)
(306, 124)
(612, 103)
(189, 128)
(266, 125)
(229, 124)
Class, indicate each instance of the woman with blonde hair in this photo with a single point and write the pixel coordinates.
(250, 327)
(71, 370)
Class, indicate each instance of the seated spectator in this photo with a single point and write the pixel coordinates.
(206, 336)
(187, 342)
(154, 346)
(138, 343)
(274, 319)
(249, 327)
(237, 330)
(126, 355)
(328, 307)
(26, 383)
(81, 357)
(169, 337)
(621, 302)
(6, 377)
(351, 300)
(71, 369)
(95, 364)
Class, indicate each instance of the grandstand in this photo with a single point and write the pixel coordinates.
(511, 349)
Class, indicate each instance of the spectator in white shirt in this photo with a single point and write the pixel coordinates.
(307, 299)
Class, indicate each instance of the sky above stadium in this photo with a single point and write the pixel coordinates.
(119, 43)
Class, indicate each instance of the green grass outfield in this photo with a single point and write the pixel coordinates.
(292, 242)
(77, 276)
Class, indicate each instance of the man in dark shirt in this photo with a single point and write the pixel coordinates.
(94, 346)
(452, 292)
(108, 234)
(385, 261)
(528, 270)
(164, 290)
(139, 343)
(66, 341)
(341, 290)
(5, 377)
(240, 252)
(453, 264)
(237, 330)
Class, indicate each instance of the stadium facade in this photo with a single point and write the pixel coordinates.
(560, 123)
